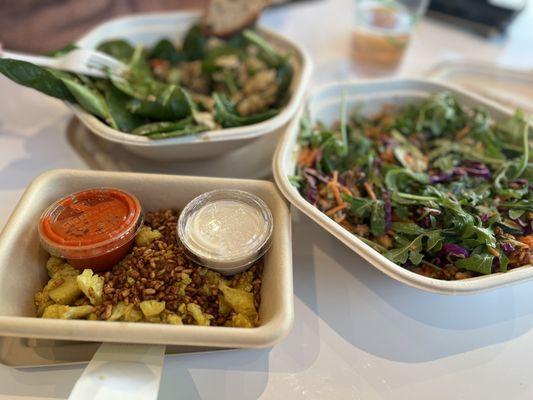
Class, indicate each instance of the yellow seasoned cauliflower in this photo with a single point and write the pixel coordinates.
(132, 314)
(241, 302)
(118, 311)
(241, 321)
(91, 285)
(42, 299)
(57, 267)
(199, 316)
(59, 311)
(152, 308)
(67, 292)
(174, 319)
(146, 235)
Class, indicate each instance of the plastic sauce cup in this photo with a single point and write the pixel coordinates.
(225, 230)
(94, 228)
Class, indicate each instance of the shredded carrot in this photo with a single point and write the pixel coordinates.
(307, 156)
(493, 251)
(345, 190)
(527, 240)
(303, 156)
(312, 157)
(370, 191)
(462, 133)
(335, 189)
(333, 210)
(335, 176)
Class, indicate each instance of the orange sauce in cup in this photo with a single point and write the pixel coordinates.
(94, 228)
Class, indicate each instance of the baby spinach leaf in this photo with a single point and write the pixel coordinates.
(35, 77)
(119, 49)
(189, 130)
(267, 52)
(194, 44)
(173, 104)
(165, 50)
(163, 126)
(121, 118)
(62, 51)
(284, 75)
(227, 116)
(86, 96)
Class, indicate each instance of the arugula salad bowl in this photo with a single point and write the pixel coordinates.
(147, 30)
(368, 99)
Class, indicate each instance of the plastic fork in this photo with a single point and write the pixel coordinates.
(80, 61)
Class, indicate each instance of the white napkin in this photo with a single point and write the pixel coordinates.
(121, 371)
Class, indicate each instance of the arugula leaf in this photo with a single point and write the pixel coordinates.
(408, 228)
(359, 206)
(398, 178)
(377, 218)
(411, 251)
(481, 263)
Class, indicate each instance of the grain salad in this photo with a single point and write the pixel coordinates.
(154, 283)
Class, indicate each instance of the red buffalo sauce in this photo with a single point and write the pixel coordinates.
(94, 228)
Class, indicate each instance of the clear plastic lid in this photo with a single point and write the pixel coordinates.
(90, 223)
(226, 230)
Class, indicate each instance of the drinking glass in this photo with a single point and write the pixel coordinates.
(382, 31)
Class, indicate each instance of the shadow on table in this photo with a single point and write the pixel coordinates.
(56, 382)
(235, 375)
(391, 320)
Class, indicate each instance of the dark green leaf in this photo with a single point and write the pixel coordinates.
(194, 44)
(164, 126)
(121, 118)
(408, 228)
(481, 263)
(377, 218)
(35, 77)
(119, 49)
(165, 50)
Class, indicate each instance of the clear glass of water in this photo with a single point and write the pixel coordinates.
(382, 33)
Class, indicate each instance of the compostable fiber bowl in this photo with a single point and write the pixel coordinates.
(147, 29)
(369, 97)
(23, 273)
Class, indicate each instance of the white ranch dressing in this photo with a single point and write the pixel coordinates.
(226, 228)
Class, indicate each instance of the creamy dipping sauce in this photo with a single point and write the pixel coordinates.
(226, 228)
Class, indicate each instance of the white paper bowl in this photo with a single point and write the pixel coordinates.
(324, 105)
(147, 29)
(22, 261)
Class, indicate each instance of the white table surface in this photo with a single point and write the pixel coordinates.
(357, 334)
